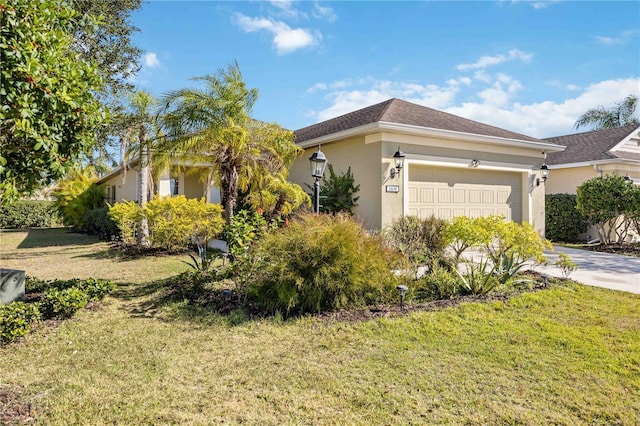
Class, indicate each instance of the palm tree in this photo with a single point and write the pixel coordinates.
(213, 125)
(620, 115)
(138, 140)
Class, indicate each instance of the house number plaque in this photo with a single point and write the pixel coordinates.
(393, 188)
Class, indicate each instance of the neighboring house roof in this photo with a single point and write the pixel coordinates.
(402, 112)
(590, 146)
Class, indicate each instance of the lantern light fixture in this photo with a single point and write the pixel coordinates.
(398, 159)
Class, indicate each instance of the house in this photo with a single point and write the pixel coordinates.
(591, 154)
(453, 166)
(122, 184)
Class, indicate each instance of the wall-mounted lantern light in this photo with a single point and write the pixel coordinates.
(544, 170)
(398, 159)
(474, 163)
(318, 162)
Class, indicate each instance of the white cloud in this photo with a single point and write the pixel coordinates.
(623, 38)
(536, 4)
(495, 103)
(324, 12)
(286, 9)
(548, 118)
(285, 38)
(487, 61)
(151, 60)
(317, 88)
(344, 101)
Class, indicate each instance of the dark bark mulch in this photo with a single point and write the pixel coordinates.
(632, 249)
(13, 409)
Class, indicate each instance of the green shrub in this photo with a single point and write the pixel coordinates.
(566, 265)
(611, 204)
(16, 319)
(63, 303)
(36, 285)
(98, 222)
(440, 283)
(338, 192)
(245, 228)
(95, 288)
(77, 194)
(420, 240)
(563, 221)
(319, 263)
(478, 278)
(174, 222)
(28, 214)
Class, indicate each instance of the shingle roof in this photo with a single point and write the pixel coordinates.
(402, 112)
(591, 146)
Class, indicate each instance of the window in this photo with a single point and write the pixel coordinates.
(173, 184)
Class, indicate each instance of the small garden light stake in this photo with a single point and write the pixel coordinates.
(402, 289)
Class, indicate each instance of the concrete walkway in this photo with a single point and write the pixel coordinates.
(610, 271)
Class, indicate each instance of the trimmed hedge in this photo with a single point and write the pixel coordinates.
(563, 220)
(28, 214)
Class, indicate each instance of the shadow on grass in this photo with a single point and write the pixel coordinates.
(174, 299)
(123, 253)
(50, 237)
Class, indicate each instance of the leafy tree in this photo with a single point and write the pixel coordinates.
(213, 125)
(338, 192)
(108, 45)
(49, 111)
(620, 115)
(610, 203)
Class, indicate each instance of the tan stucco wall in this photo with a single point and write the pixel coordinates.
(193, 188)
(565, 181)
(126, 189)
(364, 160)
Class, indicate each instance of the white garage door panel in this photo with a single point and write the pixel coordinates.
(446, 193)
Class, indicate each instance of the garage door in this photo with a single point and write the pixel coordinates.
(449, 192)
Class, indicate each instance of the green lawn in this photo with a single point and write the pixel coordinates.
(566, 355)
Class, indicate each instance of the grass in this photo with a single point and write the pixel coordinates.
(566, 355)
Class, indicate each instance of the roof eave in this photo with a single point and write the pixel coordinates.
(594, 163)
(428, 131)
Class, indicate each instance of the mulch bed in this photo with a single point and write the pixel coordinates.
(624, 249)
(13, 409)
(390, 311)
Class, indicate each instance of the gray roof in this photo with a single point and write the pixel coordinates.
(402, 112)
(591, 146)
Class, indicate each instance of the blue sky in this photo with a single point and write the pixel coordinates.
(527, 66)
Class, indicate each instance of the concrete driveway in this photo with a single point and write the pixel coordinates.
(610, 271)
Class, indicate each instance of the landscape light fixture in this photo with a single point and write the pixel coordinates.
(402, 290)
(398, 159)
(318, 162)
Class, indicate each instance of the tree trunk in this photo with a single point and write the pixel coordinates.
(229, 190)
(143, 189)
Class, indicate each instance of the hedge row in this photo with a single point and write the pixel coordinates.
(28, 214)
